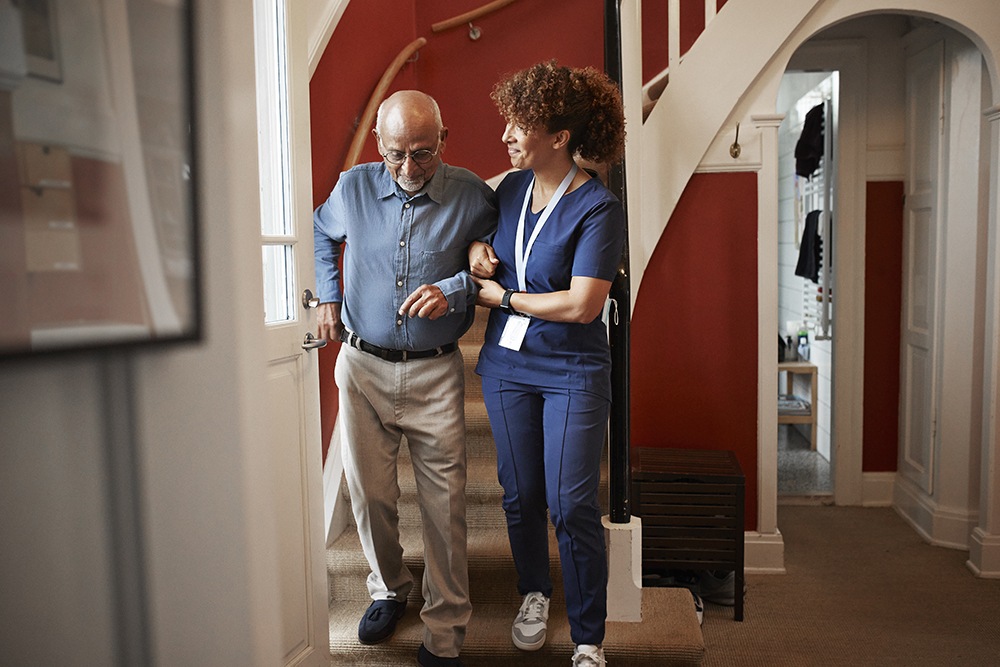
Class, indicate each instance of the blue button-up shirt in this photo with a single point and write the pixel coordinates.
(394, 243)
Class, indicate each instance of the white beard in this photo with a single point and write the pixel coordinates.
(411, 184)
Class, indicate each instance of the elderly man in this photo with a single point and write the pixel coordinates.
(407, 223)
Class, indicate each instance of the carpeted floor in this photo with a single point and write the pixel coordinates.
(861, 588)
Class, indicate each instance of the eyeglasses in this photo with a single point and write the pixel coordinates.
(423, 156)
(396, 158)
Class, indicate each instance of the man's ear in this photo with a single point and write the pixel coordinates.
(444, 139)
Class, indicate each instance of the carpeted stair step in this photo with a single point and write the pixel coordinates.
(478, 435)
(483, 493)
(492, 577)
(470, 356)
(668, 636)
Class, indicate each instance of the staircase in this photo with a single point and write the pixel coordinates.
(669, 634)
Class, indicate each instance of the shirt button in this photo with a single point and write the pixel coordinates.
(406, 206)
(399, 283)
(453, 310)
(399, 322)
(402, 243)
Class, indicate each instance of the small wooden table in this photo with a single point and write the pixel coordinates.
(791, 368)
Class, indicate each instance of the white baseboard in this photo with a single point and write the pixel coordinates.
(984, 554)
(877, 489)
(764, 553)
(940, 526)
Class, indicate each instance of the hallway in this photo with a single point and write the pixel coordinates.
(801, 470)
(861, 589)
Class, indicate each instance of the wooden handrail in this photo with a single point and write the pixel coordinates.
(467, 17)
(368, 117)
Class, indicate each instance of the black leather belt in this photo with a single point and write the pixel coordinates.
(355, 341)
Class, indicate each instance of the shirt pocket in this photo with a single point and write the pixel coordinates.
(435, 265)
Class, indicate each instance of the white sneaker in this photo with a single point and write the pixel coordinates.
(531, 622)
(588, 655)
(699, 607)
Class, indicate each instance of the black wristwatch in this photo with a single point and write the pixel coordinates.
(505, 306)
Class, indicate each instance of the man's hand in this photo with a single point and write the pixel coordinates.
(328, 324)
(490, 293)
(482, 260)
(425, 301)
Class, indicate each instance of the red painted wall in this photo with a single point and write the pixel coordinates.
(655, 51)
(694, 328)
(457, 71)
(883, 307)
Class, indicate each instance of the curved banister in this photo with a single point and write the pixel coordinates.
(376, 98)
(462, 19)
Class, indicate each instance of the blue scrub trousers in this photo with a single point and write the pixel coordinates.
(549, 445)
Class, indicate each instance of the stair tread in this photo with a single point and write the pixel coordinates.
(487, 547)
(669, 635)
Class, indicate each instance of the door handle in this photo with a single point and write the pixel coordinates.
(308, 300)
(310, 342)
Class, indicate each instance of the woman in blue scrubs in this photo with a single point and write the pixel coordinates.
(545, 365)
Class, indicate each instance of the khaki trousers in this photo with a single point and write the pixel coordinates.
(423, 400)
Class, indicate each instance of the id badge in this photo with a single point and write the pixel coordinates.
(513, 332)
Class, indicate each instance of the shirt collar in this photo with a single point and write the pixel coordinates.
(433, 189)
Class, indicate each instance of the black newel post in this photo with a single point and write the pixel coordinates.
(620, 466)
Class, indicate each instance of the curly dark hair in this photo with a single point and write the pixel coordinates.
(582, 100)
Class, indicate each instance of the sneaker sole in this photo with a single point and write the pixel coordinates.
(524, 646)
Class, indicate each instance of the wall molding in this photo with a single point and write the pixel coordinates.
(984, 554)
(885, 162)
(937, 525)
(325, 15)
(763, 553)
(877, 489)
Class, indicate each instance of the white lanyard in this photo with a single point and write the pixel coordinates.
(521, 252)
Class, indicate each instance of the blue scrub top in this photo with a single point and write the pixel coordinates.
(583, 236)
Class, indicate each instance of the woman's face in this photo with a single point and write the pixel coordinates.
(528, 149)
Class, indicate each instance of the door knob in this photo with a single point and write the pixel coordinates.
(310, 342)
(308, 300)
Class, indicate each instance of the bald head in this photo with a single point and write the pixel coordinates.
(408, 124)
(408, 107)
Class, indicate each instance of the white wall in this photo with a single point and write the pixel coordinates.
(195, 424)
(56, 560)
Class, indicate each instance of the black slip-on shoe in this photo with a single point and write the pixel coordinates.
(379, 621)
(427, 659)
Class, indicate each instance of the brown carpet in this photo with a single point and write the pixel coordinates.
(861, 588)
(667, 636)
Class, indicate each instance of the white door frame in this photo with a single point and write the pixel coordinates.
(848, 56)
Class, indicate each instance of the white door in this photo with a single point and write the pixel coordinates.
(292, 375)
(918, 408)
